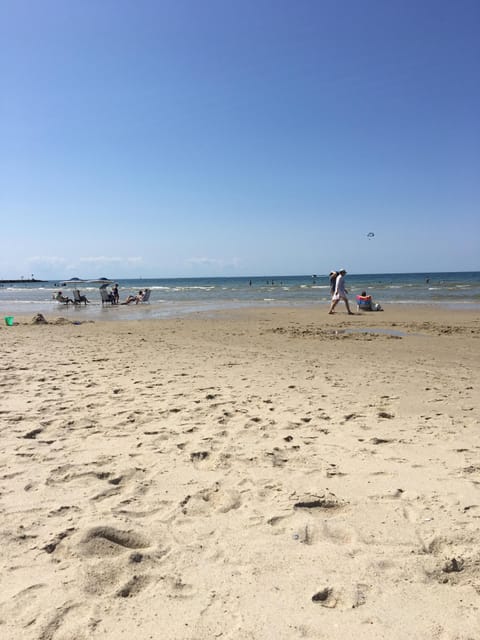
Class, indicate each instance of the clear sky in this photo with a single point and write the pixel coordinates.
(160, 138)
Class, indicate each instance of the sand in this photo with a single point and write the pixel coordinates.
(257, 474)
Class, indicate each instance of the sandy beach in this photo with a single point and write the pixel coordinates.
(256, 474)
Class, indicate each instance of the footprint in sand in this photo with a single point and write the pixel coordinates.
(102, 578)
(104, 541)
(24, 607)
(214, 499)
(70, 620)
(133, 586)
(113, 565)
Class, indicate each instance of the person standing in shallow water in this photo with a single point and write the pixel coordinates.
(340, 292)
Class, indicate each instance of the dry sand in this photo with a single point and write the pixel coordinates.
(254, 475)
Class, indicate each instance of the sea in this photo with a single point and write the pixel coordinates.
(175, 297)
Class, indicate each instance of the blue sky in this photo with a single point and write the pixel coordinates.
(254, 137)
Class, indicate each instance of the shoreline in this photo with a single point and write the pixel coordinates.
(175, 297)
(125, 313)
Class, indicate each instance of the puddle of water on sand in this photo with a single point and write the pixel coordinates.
(386, 332)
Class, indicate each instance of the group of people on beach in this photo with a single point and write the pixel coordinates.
(339, 292)
(113, 297)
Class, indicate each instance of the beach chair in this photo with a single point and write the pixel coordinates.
(59, 297)
(146, 295)
(78, 298)
(364, 303)
(107, 296)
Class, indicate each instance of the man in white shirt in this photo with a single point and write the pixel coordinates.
(340, 292)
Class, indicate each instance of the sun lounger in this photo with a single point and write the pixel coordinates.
(146, 295)
(107, 296)
(365, 303)
(78, 298)
(59, 297)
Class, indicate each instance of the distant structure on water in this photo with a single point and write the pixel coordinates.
(30, 280)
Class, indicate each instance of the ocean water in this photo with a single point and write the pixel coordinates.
(179, 296)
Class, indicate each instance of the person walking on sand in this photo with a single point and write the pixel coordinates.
(332, 279)
(340, 292)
